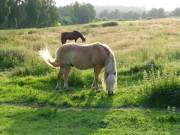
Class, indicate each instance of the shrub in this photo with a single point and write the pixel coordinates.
(147, 66)
(93, 25)
(33, 66)
(32, 32)
(161, 90)
(107, 24)
(12, 57)
(22, 62)
(4, 38)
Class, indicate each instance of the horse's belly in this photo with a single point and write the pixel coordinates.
(81, 60)
(83, 66)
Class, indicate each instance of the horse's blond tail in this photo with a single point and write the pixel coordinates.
(45, 55)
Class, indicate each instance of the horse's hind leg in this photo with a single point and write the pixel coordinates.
(66, 73)
(75, 39)
(60, 74)
(97, 71)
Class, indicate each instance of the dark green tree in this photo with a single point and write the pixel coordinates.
(161, 13)
(4, 12)
(28, 13)
(176, 12)
(104, 14)
(76, 13)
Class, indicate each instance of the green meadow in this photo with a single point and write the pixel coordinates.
(146, 100)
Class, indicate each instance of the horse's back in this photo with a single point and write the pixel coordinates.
(95, 47)
(85, 56)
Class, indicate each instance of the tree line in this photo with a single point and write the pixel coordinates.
(76, 13)
(130, 15)
(42, 13)
(27, 13)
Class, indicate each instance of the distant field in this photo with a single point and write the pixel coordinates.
(146, 101)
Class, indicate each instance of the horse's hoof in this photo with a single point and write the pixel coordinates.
(110, 93)
(57, 89)
(93, 87)
(97, 91)
(68, 88)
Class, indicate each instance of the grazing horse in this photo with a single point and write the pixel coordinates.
(94, 55)
(71, 36)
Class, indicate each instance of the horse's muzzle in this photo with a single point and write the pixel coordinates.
(110, 93)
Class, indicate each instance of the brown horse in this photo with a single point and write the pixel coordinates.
(71, 36)
(94, 55)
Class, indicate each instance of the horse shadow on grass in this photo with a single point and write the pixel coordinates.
(81, 111)
(63, 119)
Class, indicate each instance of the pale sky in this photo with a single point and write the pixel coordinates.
(148, 4)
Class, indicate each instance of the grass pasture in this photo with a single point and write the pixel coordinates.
(147, 97)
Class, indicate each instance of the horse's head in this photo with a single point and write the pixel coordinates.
(84, 39)
(110, 83)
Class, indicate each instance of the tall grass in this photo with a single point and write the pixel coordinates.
(161, 89)
(147, 52)
(22, 61)
(12, 57)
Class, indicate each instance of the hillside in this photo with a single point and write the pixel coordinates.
(147, 96)
(120, 8)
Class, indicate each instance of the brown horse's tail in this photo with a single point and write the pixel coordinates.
(45, 55)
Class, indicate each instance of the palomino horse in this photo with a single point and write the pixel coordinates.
(94, 55)
(71, 36)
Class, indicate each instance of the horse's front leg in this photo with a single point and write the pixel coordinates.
(75, 39)
(97, 71)
(66, 74)
(60, 74)
(93, 84)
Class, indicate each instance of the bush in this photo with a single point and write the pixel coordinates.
(22, 62)
(12, 57)
(32, 66)
(93, 25)
(161, 90)
(32, 32)
(148, 66)
(107, 24)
